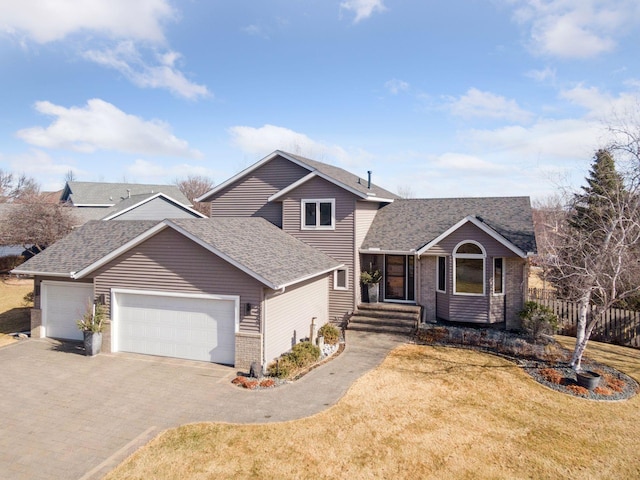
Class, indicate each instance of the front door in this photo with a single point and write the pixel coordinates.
(399, 277)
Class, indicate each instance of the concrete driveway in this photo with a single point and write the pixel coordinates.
(67, 416)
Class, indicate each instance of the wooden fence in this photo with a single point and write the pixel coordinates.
(618, 326)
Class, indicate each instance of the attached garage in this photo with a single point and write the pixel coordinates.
(63, 304)
(189, 326)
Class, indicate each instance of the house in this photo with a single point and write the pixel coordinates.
(126, 201)
(284, 248)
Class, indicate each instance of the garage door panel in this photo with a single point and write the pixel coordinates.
(182, 327)
(63, 306)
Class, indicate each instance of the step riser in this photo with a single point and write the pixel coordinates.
(387, 315)
(379, 321)
(369, 328)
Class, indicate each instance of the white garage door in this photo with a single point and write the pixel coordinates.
(62, 306)
(190, 327)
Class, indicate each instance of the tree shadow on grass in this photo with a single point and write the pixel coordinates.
(15, 320)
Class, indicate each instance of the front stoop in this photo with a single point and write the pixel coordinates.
(385, 318)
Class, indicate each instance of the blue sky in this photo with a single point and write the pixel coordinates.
(438, 99)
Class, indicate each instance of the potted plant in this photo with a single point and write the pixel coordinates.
(92, 325)
(372, 280)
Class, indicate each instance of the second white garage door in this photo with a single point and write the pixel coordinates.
(197, 327)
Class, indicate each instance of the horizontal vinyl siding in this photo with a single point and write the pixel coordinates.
(470, 232)
(156, 209)
(338, 244)
(248, 196)
(170, 262)
(364, 216)
(289, 315)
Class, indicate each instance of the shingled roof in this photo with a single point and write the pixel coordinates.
(108, 194)
(410, 224)
(277, 259)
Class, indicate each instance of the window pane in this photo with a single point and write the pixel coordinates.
(442, 273)
(469, 248)
(310, 214)
(325, 214)
(469, 273)
(341, 279)
(497, 275)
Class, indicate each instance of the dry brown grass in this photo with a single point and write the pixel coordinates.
(14, 316)
(426, 412)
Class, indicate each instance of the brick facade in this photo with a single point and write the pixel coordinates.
(248, 350)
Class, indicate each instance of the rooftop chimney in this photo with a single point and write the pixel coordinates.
(369, 181)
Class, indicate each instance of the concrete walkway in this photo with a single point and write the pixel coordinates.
(67, 416)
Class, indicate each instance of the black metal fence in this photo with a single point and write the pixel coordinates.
(618, 326)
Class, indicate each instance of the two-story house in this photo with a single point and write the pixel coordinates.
(284, 248)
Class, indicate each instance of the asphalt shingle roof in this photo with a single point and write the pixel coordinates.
(347, 178)
(100, 193)
(408, 224)
(254, 243)
(84, 246)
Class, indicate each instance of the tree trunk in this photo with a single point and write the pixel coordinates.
(581, 331)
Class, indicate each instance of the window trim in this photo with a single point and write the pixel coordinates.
(317, 201)
(494, 276)
(470, 256)
(444, 290)
(346, 278)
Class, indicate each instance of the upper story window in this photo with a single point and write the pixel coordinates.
(318, 214)
(469, 277)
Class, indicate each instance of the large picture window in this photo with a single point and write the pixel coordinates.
(469, 260)
(318, 214)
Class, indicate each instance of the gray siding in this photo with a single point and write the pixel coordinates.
(288, 316)
(248, 196)
(364, 215)
(338, 244)
(170, 262)
(467, 308)
(156, 209)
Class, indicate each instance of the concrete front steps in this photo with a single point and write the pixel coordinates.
(385, 318)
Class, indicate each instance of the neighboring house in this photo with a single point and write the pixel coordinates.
(286, 243)
(126, 201)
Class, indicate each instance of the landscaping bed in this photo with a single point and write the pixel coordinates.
(545, 360)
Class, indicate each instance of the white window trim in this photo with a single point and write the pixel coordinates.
(438, 274)
(475, 256)
(318, 201)
(346, 278)
(493, 272)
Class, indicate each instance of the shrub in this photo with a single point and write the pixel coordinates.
(330, 333)
(93, 320)
(538, 320)
(551, 375)
(578, 390)
(301, 355)
(27, 300)
(9, 262)
(373, 276)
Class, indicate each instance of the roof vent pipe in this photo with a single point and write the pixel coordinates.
(128, 193)
(369, 181)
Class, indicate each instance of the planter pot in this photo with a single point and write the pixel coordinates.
(92, 343)
(373, 292)
(588, 379)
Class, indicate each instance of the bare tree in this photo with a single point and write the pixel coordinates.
(193, 187)
(69, 176)
(17, 188)
(36, 223)
(592, 255)
(405, 191)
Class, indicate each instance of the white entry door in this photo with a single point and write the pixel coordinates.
(198, 327)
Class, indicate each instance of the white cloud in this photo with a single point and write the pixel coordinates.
(264, 140)
(467, 164)
(546, 75)
(51, 20)
(49, 172)
(102, 126)
(576, 28)
(476, 103)
(127, 59)
(149, 172)
(396, 86)
(363, 8)
(601, 105)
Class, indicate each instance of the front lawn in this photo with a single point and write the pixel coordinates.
(426, 412)
(14, 316)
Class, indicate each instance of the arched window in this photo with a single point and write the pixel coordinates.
(468, 266)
